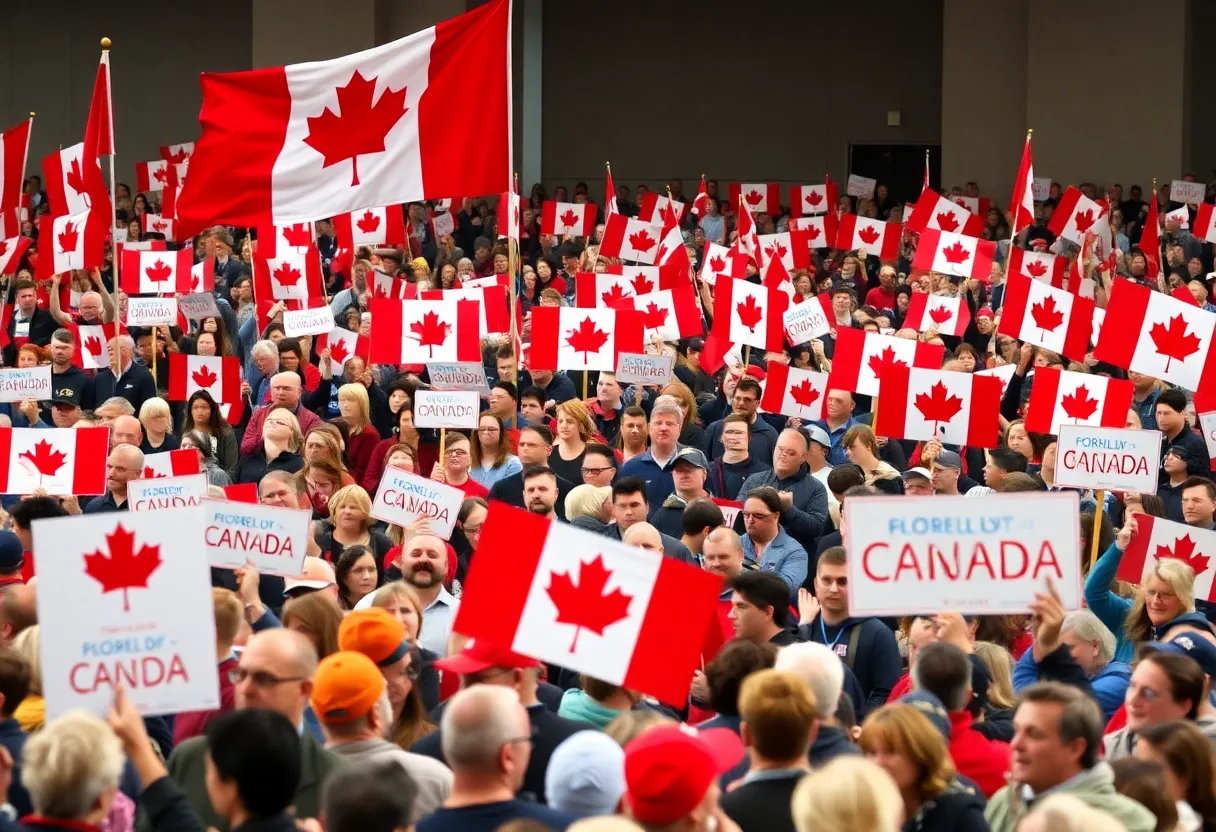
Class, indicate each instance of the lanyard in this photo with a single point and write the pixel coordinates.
(823, 631)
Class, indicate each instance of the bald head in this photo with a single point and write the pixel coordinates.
(282, 654)
(18, 610)
(477, 723)
(644, 536)
(126, 431)
(285, 390)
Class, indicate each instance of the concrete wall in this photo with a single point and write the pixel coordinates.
(1200, 155)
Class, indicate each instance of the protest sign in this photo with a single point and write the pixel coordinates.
(197, 306)
(639, 368)
(446, 409)
(444, 224)
(861, 186)
(317, 321)
(804, 322)
(1040, 188)
(1115, 459)
(1207, 423)
(1189, 192)
(130, 603)
(272, 538)
(151, 311)
(922, 555)
(404, 498)
(166, 492)
(17, 385)
(730, 510)
(459, 375)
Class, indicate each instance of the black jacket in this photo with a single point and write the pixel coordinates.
(42, 327)
(763, 805)
(253, 467)
(672, 547)
(807, 518)
(960, 808)
(169, 810)
(874, 657)
(510, 490)
(136, 386)
(13, 738)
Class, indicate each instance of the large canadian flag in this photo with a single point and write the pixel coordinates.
(294, 143)
(814, 232)
(495, 314)
(1075, 216)
(630, 239)
(625, 615)
(72, 241)
(672, 314)
(745, 313)
(720, 260)
(342, 344)
(567, 338)
(861, 356)
(1062, 396)
(219, 376)
(759, 198)
(1205, 222)
(949, 316)
(14, 149)
(11, 252)
(60, 461)
(561, 218)
(382, 225)
(1156, 539)
(794, 392)
(1159, 336)
(812, 200)
(1038, 265)
(1039, 314)
(953, 408)
(956, 254)
(157, 272)
(935, 211)
(420, 331)
(292, 277)
(170, 464)
(878, 238)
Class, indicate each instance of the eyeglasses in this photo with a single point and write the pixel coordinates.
(591, 472)
(528, 739)
(756, 516)
(260, 678)
(1153, 594)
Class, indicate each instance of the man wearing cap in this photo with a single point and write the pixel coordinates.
(586, 775)
(671, 776)
(946, 471)
(349, 696)
(688, 474)
(804, 499)
(654, 465)
(227, 267)
(65, 375)
(729, 471)
(481, 664)
(12, 560)
(1176, 465)
(918, 482)
(700, 382)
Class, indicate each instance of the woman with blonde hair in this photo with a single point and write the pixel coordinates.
(317, 617)
(350, 523)
(849, 794)
(574, 430)
(999, 663)
(158, 427)
(31, 713)
(278, 451)
(72, 769)
(492, 457)
(362, 436)
(589, 507)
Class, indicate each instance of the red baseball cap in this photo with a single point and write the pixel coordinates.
(669, 768)
(478, 655)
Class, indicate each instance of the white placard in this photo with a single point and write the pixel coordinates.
(861, 186)
(318, 321)
(1207, 423)
(481, 282)
(119, 234)
(1189, 192)
(22, 384)
(459, 375)
(1114, 459)
(730, 510)
(129, 602)
(198, 305)
(446, 409)
(806, 321)
(640, 368)
(151, 311)
(1040, 188)
(444, 224)
(404, 498)
(166, 492)
(923, 555)
(272, 538)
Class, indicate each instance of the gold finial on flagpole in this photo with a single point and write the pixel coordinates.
(31, 113)
(105, 43)
(1029, 132)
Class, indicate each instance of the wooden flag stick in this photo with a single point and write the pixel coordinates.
(1093, 535)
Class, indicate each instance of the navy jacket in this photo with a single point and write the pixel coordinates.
(875, 659)
(807, 518)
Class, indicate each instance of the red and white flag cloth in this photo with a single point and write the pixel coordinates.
(157, 272)
(569, 338)
(153, 176)
(202, 276)
(292, 277)
(67, 190)
(1038, 265)
(759, 198)
(70, 242)
(722, 261)
(628, 616)
(745, 313)
(372, 128)
(813, 200)
(495, 315)
(794, 392)
(1160, 336)
(661, 210)
(170, 464)
(421, 331)
(509, 215)
(567, 218)
(776, 277)
(342, 344)
(284, 240)
(92, 345)
(1180, 215)
(14, 150)
(630, 239)
(975, 205)
(99, 129)
(881, 239)
(177, 153)
(610, 206)
(158, 224)
(388, 287)
(672, 251)
(860, 358)
(1021, 204)
(606, 290)
(219, 376)
(949, 316)
(933, 210)
(1205, 222)
(953, 408)
(1061, 396)
(672, 314)
(815, 232)
(1156, 539)
(1040, 314)
(11, 252)
(956, 254)
(787, 247)
(747, 239)
(1075, 216)
(60, 461)
(382, 225)
(701, 199)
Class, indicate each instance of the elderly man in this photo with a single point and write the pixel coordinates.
(263, 363)
(126, 430)
(125, 463)
(124, 378)
(94, 309)
(285, 392)
(803, 497)
(111, 409)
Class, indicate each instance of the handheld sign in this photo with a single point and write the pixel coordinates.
(730, 510)
(861, 186)
(30, 383)
(640, 368)
(1207, 423)
(1189, 192)
(1114, 459)
(198, 306)
(151, 311)
(274, 539)
(404, 498)
(922, 555)
(166, 492)
(130, 603)
(1040, 188)
(804, 322)
(459, 375)
(318, 321)
(446, 409)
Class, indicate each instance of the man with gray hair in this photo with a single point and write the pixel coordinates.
(108, 411)
(124, 377)
(820, 667)
(655, 464)
(285, 390)
(263, 363)
(125, 463)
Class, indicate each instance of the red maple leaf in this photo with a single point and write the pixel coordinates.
(749, 313)
(1036, 268)
(204, 377)
(955, 253)
(753, 197)
(180, 156)
(938, 405)
(338, 352)
(379, 291)
(886, 358)
(585, 338)
(74, 178)
(124, 568)
(1079, 404)
(585, 605)
(368, 223)
(1083, 219)
(160, 174)
(1184, 550)
(655, 316)
(287, 275)
(814, 198)
(641, 241)
(1173, 341)
(569, 218)
(45, 459)
(3, 247)
(298, 235)
(717, 264)
(150, 474)
(68, 237)
(804, 393)
(1045, 315)
(92, 345)
(940, 314)
(159, 271)
(775, 250)
(614, 295)
(159, 225)
(668, 215)
(430, 331)
(947, 222)
(642, 285)
(868, 235)
(360, 128)
(812, 231)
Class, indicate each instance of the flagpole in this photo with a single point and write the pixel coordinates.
(105, 58)
(512, 266)
(595, 255)
(1013, 225)
(1093, 535)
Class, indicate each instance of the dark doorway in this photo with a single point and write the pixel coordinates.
(901, 167)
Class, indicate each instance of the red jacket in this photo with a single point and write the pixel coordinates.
(983, 760)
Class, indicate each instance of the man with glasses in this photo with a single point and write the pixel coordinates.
(453, 469)
(535, 444)
(125, 463)
(803, 498)
(766, 543)
(599, 465)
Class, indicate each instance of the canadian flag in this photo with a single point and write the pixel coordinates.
(953, 408)
(783, 247)
(71, 241)
(202, 276)
(372, 128)
(794, 392)
(763, 198)
(562, 218)
(284, 240)
(1160, 336)
(661, 210)
(776, 277)
(949, 316)
(158, 224)
(567, 338)
(1156, 539)
(976, 205)
(721, 261)
(878, 238)
(382, 225)
(630, 239)
(153, 176)
(1040, 314)
(1207, 426)
(816, 232)
(745, 313)
(421, 331)
(495, 314)
(1002, 374)
(170, 464)
(92, 345)
(219, 376)
(956, 254)
(610, 206)
(14, 149)
(701, 199)
(510, 215)
(60, 461)
(67, 188)
(177, 153)
(1180, 215)
(1075, 216)
(157, 272)
(342, 344)
(860, 358)
(387, 286)
(1150, 240)
(672, 251)
(292, 277)
(243, 492)
(625, 615)
(935, 211)
(11, 252)
(747, 240)
(1059, 396)
(813, 200)
(671, 314)
(607, 290)
(1038, 265)
(1021, 204)
(1205, 222)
